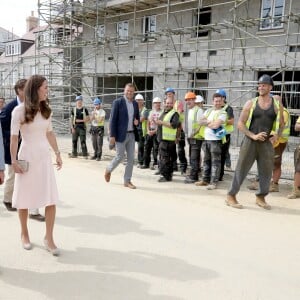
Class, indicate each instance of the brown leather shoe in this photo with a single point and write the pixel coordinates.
(37, 217)
(130, 185)
(231, 201)
(9, 206)
(107, 175)
(260, 201)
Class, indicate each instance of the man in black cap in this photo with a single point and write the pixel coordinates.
(258, 118)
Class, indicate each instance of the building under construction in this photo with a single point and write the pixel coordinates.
(198, 45)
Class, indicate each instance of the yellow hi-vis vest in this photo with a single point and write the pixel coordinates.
(276, 123)
(202, 128)
(74, 115)
(229, 128)
(196, 126)
(169, 134)
(286, 129)
(144, 123)
(100, 123)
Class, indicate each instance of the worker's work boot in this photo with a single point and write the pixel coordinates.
(295, 194)
(274, 187)
(260, 201)
(231, 201)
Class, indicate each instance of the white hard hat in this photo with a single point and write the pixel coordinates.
(199, 99)
(139, 97)
(156, 100)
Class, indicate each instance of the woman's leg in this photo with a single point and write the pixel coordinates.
(23, 216)
(50, 218)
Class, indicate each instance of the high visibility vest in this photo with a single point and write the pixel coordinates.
(144, 123)
(101, 123)
(216, 116)
(229, 128)
(276, 123)
(195, 124)
(74, 115)
(286, 129)
(169, 134)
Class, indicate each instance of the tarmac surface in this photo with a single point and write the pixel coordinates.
(162, 241)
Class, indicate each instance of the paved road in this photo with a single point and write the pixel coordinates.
(163, 241)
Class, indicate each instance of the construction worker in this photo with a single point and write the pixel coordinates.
(296, 191)
(168, 123)
(195, 113)
(79, 118)
(97, 128)
(142, 130)
(279, 147)
(151, 142)
(214, 135)
(258, 118)
(228, 127)
(180, 140)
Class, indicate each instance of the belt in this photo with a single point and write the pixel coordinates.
(130, 131)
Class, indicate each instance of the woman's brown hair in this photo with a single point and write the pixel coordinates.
(32, 103)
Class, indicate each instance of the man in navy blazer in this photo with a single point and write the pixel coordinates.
(124, 118)
(5, 118)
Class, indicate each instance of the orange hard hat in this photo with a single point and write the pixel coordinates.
(189, 96)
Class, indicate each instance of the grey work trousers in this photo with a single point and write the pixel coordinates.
(251, 151)
(129, 146)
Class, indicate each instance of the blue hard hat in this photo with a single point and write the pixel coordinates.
(169, 90)
(221, 92)
(97, 101)
(78, 97)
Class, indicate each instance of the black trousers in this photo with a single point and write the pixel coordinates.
(141, 147)
(151, 144)
(225, 150)
(180, 154)
(166, 149)
(81, 133)
(195, 156)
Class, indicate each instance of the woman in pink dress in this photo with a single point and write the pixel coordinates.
(36, 187)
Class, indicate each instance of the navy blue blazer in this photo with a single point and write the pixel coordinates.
(5, 118)
(118, 121)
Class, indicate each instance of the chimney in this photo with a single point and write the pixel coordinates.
(31, 22)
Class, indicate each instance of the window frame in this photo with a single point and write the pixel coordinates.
(148, 33)
(198, 32)
(122, 39)
(269, 21)
(100, 32)
(13, 48)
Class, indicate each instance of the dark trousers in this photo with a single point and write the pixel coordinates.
(97, 134)
(211, 161)
(251, 151)
(141, 147)
(180, 153)
(224, 154)
(151, 143)
(81, 133)
(195, 156)
(165, 149)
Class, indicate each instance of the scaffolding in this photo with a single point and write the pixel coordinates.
(181, 52)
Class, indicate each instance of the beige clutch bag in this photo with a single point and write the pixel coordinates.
(23, 164)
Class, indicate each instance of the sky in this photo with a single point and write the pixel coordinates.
(13, 14)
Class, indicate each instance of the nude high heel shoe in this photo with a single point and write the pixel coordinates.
(54, 251)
